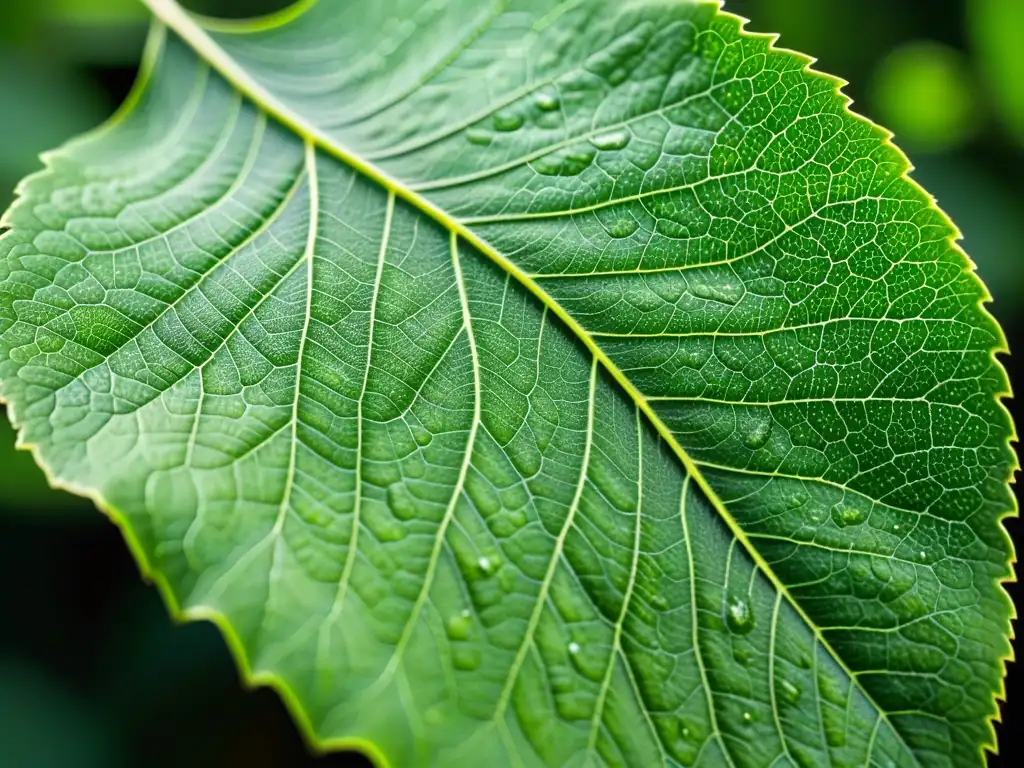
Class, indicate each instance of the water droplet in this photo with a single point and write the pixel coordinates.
(659, 602)
(924, 556)
(845, 516)
(546, 101)
(758, 432)
(488, 565)
(739, 616)
(611, 140)
(746, 717)
(796, 500)
(481, 138)
(460, 627)
(712, 287)
(790, 692)
(507, 121)
(564, 163)
(896, 527)
(622, 228)
(574, 648)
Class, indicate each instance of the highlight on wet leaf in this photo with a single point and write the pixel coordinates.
(529, 383)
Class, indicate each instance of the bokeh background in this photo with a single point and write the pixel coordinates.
(93, 674)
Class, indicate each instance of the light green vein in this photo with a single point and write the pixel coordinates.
(353, 542)
(449, 513)
(698, 653)
(556, 554)
(616, 649)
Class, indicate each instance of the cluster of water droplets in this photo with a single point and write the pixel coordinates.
(563, 161)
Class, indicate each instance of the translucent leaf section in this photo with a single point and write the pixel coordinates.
(530, 384)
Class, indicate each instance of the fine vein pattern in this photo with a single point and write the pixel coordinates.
(530, 383)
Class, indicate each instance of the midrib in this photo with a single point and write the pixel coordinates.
(173, 16)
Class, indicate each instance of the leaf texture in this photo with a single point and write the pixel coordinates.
(530, 383)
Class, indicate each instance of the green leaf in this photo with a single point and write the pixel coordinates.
(530, 383)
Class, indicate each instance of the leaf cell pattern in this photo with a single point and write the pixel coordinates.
(530, 383)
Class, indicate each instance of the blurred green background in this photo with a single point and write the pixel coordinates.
(92, 671)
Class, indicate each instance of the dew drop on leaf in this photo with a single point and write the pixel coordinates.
(574, 648)
(621, 228)
(845, 516)
(475, 136)
(546, 101)
(790, 692)
(659, 602)
(460, 627)
(758, 431)
(489, 565)
(611, 140)
(739, 616)
(507, 121)
(565, 162)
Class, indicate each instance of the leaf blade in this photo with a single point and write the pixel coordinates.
(659, 416)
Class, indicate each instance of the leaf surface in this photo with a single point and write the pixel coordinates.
(530, 383)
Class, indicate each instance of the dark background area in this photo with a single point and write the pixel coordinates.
(93, 673)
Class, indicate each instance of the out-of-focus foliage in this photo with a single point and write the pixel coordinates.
(996, 29)
(74, 104)
(988, 211)
(924, 93)
(31, 701)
